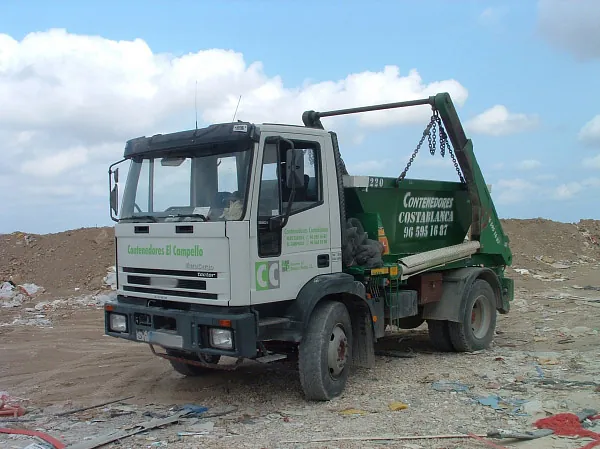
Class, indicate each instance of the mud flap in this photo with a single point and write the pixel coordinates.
(363, 346)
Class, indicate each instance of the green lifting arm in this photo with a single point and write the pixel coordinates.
(485, 223)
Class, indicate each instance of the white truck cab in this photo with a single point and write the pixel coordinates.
(220, 232)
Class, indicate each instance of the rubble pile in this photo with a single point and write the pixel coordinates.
(34, 312)
(60, 262)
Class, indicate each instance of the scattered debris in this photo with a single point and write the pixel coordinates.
(523, 435)
(10, 406)
(397, 406)
(12, 295)
(353, 412)
(102, 404)
(449, 386)
(502, 404)
(135, 429)
(569, 425)
(385, 438)
(57, 444)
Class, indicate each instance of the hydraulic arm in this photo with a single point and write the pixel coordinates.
(485, 224)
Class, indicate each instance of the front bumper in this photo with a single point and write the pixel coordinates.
(185, 330)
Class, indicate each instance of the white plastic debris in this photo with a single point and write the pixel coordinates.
(9, 296)
(100, 300)
(6, 290)
(111, 278)
(30, 289)
(39, 322)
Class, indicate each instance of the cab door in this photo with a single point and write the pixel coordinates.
(285, 259)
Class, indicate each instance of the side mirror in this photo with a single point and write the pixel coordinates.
(113, 176)
(294, 168)
(114, 199)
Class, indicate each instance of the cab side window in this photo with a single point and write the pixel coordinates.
(310, 194)
(275, 195)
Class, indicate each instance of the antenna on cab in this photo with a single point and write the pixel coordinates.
(236, 109)
(196, 104)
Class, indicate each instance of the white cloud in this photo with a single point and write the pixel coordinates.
(498, 121)
(511, 191)
(55, 164)
(70, 101)
(571, 26)
(592, 162)
(529, 164)
(371, 167)
(569, 190)
(590, 132)
(358, 139)
(545, 177)
(492, 15)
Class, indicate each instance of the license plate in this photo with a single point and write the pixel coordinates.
(160, 338)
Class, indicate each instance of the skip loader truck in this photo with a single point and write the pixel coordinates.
(252, 241)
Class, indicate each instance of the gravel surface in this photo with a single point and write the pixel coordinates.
(545, 360)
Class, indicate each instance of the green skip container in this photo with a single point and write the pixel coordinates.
(411, 217)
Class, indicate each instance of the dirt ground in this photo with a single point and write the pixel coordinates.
(545, 360)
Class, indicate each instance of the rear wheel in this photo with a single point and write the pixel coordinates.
(192, 370)
(325, 352)
(476, 329)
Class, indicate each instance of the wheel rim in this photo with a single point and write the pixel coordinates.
(480, 317)
(337, 351)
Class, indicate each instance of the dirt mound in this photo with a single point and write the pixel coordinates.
(58, 262)
(534, 239)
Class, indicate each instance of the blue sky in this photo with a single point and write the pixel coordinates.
(537, 59)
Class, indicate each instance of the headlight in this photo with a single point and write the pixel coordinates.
(221, 338)
(118, 322)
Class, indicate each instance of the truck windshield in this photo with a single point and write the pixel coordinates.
(167, 187)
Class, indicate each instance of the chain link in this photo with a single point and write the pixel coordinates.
(426, 133)
(430, 133)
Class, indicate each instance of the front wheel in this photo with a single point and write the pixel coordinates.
(476, 329)
(325, 352)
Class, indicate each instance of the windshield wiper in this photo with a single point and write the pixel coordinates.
(189, 216)
(135, 217)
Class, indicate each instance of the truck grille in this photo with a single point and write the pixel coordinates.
(168, 282)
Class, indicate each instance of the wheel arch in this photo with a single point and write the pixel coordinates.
(337, 286)
(457, 284)
(343, 288)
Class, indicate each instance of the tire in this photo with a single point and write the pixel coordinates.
(476, 329)
(325, 353)
(439, 335)
(192, 370)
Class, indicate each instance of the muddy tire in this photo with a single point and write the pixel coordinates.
(192, 370)
(439, 335)
(325, 352)
(478, 312)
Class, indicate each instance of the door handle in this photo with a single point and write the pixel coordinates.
(323, 260)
